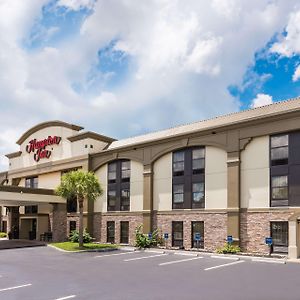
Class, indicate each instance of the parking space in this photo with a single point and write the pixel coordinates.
(47, 274)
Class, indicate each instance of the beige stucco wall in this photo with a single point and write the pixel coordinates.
(215, 178)
(162, 183)
(136, 186)
(255, 174)
(49, 180)
(100, 204)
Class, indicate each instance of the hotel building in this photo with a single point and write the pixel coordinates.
(235, 175)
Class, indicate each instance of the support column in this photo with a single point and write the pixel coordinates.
(1, 229)
(147, 199)
(293, 239)
(233, 195)
(13, 222)
(59, 227)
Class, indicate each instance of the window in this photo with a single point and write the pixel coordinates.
(72, 226)
(112, 173)
(198, 228)
(279, 150)
(31, 182)
(31, 209)
(177, 234)
(72, 204)
(125, 200)
(110, 232)
(279, 190)
(111, 200)
(124, 237)
(279, 233)
(178, 192)
(178, 163)
(198, 160)
(125, 171)
(189, 178)
(118, 194)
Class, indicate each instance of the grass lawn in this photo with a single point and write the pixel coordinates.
(69, 246)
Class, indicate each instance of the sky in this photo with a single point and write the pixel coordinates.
(128, 67)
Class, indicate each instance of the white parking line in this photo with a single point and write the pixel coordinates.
(106, 255)
(272, 261)
(67, 297)
(145, 257)
(186, 254)
(225, 257)
(224, 265)
(179, 261)
(15, 287)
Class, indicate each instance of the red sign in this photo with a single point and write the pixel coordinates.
(38, 147)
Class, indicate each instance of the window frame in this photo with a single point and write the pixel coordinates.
(177, 242)
(110, 239)
(281, 246)
(193, 241)
(274, 200)
(282, 161)
(124, 239)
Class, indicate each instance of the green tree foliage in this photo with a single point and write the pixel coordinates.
(85, 186)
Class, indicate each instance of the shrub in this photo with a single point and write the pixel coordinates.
(142, 240)
(3, 235)
(74, 236)
(229, 248)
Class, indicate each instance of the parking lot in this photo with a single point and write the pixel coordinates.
(47, 274)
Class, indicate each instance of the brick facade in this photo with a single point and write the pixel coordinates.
(255, 227)
(134, 221)
(215, 227)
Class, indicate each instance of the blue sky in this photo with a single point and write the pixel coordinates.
(124, 68)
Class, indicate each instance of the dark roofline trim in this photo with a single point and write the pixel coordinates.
(91, 135)
(13, 155)
(45, 125)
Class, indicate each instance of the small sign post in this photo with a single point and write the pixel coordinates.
(198, 239)
(229, 239)
(150, 235)
(166, 237)
(269, 242)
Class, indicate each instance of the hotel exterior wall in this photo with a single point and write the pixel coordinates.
(215, 178)
(255, 174)
(215, 227)
(100, 204)
(255, 226)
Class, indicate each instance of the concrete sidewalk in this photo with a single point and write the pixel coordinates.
(11, 244)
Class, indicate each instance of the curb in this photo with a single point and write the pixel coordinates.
(225, 257)
(81, 251)
(267, 260)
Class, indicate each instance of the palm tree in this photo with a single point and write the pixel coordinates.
(84, 186)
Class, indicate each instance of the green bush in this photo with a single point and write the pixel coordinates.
(229, 248)
(74, 237)
(3, 235)
(142, 240)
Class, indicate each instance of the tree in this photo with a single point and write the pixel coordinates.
(84, 186)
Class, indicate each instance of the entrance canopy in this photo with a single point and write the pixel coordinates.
(19, 196)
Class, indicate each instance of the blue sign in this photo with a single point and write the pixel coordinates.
(229, 239)
(150, 235)
(269, 241)
(197, 236)
(166, 236)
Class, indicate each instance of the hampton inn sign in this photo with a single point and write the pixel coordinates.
(38, 147)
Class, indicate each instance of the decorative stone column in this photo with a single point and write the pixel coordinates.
(294, 249)
(13, 221)
(147, 202)
(59, 226)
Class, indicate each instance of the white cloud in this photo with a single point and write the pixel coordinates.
(76, 4)
(261, 100)
(296, 74)
(183, 55)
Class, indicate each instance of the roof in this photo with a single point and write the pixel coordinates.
(45, 125)
(91, 135)
(277, 108)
